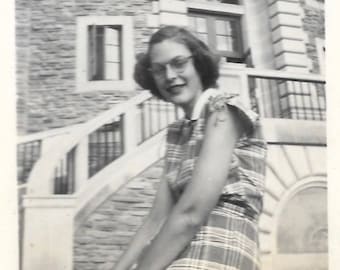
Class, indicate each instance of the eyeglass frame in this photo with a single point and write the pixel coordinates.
(172, 64)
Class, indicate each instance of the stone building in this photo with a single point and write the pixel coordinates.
(96, 139)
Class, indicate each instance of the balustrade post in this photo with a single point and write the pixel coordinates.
(244, 93)
(81, 163)
(48, 232)
(130, 129)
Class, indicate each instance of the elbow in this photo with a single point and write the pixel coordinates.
(192, 218)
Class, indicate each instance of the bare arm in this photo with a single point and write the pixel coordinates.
(161, 207)
(201, 194)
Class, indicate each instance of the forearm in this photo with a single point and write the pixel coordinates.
(175, 235)
(136, 247)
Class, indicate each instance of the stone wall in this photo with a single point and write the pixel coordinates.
(314, 25)
(103, 237)
(46, 56)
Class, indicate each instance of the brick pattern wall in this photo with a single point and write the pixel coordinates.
(55, 109)
(314, 25)
(22, 19)
(46, 57)
(100, 240)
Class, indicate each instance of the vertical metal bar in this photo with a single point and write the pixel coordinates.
(70, 171)
(97, 148)
(121, 135)
(278, 97)
(56, 191)
(159, 115)
(24, 162)
(106, 129)
(142, 120)
(150, 117)
(303, 100)
(62, 184)
(90, 154)
(262, 89)
(289, 107)
(30, 157)
(318, 101)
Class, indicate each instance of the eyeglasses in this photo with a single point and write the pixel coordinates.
(177, 65)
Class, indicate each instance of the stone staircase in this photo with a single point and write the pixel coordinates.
(101, 239)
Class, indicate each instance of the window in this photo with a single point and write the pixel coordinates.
(104, 53)
(220, 32)
(105, 56)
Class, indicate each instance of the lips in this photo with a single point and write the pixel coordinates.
(175, 89)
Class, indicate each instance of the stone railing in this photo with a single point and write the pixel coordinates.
(64, 178)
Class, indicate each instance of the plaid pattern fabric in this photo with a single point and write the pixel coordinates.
(229, 238)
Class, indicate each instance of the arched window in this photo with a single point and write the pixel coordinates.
(302, 224)
(302, 232)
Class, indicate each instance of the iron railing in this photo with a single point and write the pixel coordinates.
(290, 98)
(27, 154)
(272, 94)
(64, 174)
(105, 145)
(155, 116)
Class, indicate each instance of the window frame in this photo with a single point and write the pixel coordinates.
(125, 23)
(211, 18)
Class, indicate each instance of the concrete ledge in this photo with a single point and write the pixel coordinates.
(287, 32)
(285, 7)
(173, 19)
(285, 19)
(174, 6)
(291, 59)
(289, 45)
(288, 131)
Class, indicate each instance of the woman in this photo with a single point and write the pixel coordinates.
(206, 209)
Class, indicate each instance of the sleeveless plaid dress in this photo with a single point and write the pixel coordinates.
(228, 240)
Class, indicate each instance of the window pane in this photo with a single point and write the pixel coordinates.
(111, 35)
(201, 25)
(112, 54)
(220, 27)
(224, 43)
(104, 50)
(112, 71)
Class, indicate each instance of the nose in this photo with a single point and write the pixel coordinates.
(169, 72)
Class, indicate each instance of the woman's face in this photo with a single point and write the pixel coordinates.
(175, 75)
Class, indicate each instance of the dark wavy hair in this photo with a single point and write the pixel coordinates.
(205, 61)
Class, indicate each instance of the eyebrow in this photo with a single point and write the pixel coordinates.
(174, 58)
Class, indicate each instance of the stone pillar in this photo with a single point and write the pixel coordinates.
(168, 12)
(288, 36)
(48, 232)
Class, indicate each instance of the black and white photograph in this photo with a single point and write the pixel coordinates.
(171, 134)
